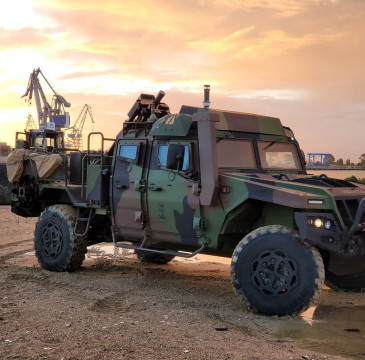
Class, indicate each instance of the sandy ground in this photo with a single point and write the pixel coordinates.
(118, 308)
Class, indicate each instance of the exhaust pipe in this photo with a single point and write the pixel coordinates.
(206, 102)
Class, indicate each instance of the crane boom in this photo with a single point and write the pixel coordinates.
(75, 137)
(49, 115)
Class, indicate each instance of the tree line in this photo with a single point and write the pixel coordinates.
(332, 161)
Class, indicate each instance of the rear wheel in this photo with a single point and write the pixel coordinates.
(56, 246)
(276, 272)
(353, 282)
(150, 257)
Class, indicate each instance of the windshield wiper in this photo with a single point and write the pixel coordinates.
(222, 138)
(271, 144)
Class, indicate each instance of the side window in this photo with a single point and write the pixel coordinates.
(38, 141)
(162, 156)
(129, 152)
(59, 141)
(50, 142)
(186, 158)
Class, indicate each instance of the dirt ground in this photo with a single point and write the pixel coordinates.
(118, 308)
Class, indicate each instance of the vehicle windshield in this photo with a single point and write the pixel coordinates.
(278, 155)
(39, 141)
(237, 154)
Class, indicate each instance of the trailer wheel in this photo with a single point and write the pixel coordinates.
(275, 272)
(56, 246)
(150, 257)
(352, 282)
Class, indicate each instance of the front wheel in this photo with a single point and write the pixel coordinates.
(56, 246)
(276, 272)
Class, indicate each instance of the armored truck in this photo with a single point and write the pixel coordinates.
(200, 181)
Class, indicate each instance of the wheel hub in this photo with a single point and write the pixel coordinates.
(273, 273)
(52, 240)
(27, 190)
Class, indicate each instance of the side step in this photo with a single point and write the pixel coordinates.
(84, 218)
(164, 252)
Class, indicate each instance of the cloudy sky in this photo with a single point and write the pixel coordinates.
(302, 61)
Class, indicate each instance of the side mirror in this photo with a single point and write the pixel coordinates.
(175, 157)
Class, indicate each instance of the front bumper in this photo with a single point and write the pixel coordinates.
(351, 242)
(345, 249)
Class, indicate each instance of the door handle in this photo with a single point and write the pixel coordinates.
(154, 188)
(120, 186)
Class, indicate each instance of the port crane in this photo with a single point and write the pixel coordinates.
(52, 119)
(30, 124)
(75, 135)
(50, 116)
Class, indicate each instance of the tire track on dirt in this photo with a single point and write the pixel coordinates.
(2, 246)
(99, 286)
(13, 254)
(96, 295)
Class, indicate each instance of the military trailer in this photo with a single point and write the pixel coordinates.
(201, 181)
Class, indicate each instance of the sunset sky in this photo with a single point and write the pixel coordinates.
(300, 60)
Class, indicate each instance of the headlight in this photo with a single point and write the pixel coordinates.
(327, 224)
(318, 223)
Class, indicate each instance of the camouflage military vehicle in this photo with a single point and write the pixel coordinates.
(203, 181)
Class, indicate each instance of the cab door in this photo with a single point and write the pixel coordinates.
(172, 194)
(128, 187)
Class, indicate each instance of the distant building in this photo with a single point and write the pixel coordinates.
(4, 149)
(317, 159)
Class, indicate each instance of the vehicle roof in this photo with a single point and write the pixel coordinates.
(239, 121)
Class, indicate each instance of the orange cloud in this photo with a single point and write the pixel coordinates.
(299, 60)
(284, 8)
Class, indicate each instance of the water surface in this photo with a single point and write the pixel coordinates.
(337, 330)
(339, 174)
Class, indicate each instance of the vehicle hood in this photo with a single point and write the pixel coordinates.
(295, 190)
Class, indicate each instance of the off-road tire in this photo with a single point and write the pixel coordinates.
(353, 282)
(153, 258)
(56, 246)
(275, 272)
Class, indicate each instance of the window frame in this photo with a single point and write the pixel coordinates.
(129, 159)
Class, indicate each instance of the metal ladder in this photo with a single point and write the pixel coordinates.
(83, 218)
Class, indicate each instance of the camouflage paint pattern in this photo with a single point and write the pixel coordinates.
(172, 125)
(127, 189)
(206, 202)
(243, 122)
